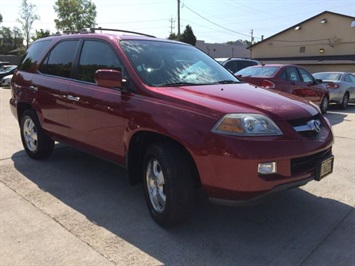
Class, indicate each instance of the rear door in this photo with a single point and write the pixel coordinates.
(95, 112)
(51, 86)
(310, 89)
(350, 83)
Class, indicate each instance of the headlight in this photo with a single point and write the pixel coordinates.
(314, 105)
(246, 125)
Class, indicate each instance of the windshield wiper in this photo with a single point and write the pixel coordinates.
(177, 84)
(228, 81)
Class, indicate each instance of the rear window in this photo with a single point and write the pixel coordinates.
(328, 76)
(263, 71)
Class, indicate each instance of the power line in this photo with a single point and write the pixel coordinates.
(239, 33)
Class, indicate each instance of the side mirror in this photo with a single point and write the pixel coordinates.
(108, 78)
(319, 81)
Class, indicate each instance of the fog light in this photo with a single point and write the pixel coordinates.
(267, 168)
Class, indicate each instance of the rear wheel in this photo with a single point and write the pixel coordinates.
(168, 183)
(36, 143)
(324, 105)
(344, 101)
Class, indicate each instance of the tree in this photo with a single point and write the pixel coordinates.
(188, 36)
(74, 15)
(173, 36)
(40, 34)
(10, 39)
(245, 42)
(0, 18)
(27, 17)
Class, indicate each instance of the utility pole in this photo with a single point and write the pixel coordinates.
(178, 34)
(171, 25)
(252, 37)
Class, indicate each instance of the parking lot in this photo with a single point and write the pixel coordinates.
(75, 209)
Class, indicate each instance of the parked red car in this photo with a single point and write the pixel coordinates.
(287, 78)
(169, 113)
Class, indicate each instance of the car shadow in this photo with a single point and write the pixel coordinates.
(278, 231)
(336, 115)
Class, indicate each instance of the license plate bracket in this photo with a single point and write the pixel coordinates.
(324, 168)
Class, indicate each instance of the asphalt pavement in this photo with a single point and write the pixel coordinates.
(75, 209)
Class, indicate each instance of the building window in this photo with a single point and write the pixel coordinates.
(302, 49)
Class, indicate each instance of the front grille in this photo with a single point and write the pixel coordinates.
(305, 126)
(307, 163)
(303, 121)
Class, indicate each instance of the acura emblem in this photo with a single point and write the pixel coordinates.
(314, 125)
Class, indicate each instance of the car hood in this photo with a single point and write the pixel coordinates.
(241, 98)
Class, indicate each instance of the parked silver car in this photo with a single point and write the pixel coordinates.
(341, 86)
(5, 82)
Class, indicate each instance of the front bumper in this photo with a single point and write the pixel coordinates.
(229, 173)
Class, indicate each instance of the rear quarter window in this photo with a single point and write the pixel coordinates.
(32, 55)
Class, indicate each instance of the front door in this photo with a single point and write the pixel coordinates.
(96, 114)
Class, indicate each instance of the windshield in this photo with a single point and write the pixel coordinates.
(173, 64)
(327, 76)
(260, 71)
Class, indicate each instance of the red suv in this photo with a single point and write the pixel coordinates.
(170, 114)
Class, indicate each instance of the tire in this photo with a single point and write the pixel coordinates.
(36, 143)
(168, 183)
(324, 105)
(344, 101)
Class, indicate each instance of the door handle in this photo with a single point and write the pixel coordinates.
(33, 88)
(72, 98)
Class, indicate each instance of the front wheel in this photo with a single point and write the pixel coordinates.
(168, 183)
(35, 141)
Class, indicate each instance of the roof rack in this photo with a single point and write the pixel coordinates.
(92, 30)
(69, 32)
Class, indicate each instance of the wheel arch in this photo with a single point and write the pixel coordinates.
(21, 108)
(137, 147)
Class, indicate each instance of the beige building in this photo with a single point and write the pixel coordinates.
(325, 42)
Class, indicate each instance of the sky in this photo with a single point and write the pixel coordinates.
(213, 21)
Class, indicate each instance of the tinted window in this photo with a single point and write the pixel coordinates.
(232, 66)
(60, 60)
(246, 63)
(96, 55)
(236, 65)
(32, 55)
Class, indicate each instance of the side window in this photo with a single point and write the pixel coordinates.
(283, 75)
(32, 55)
(292, 74)
(305, 75)
(350, 78)
(232, 66)
(59, 61)
(244, 64)
(96, 55)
